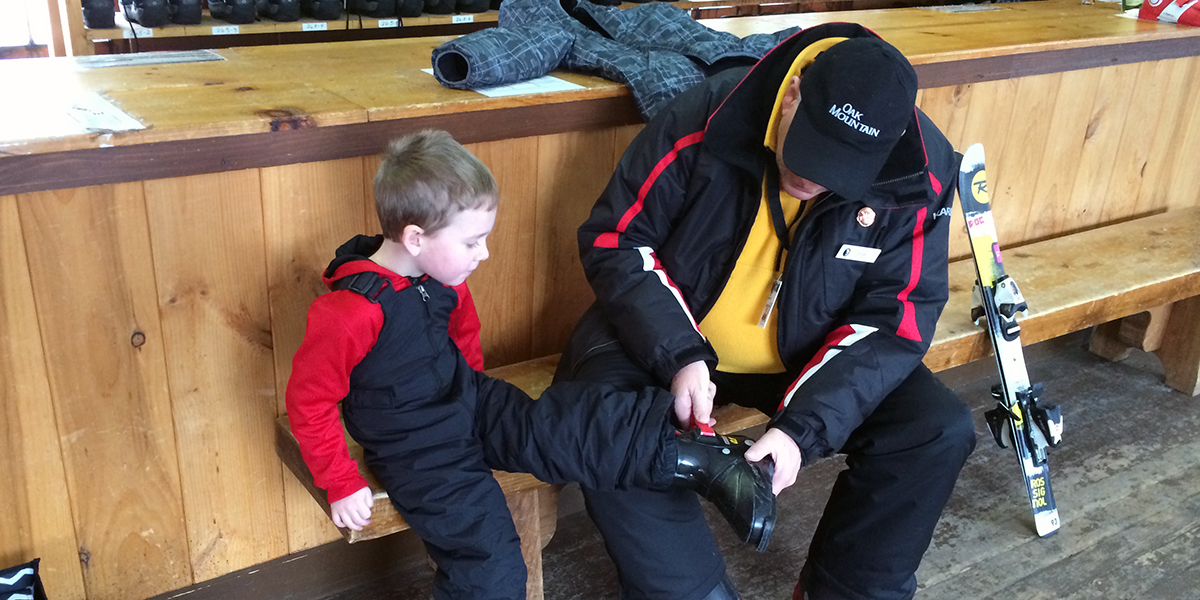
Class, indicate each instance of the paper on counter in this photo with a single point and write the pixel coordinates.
(31, 117)
(541, 85)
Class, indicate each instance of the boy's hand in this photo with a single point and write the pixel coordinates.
(784, 451)
(694, 393)
(353, 511)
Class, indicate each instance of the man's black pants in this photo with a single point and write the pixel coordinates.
(902, 462)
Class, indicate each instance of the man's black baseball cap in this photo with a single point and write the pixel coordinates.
(856, 100)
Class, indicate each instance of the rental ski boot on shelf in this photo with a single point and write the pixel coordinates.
(439, 7)
(409, 8)
(186, 12)
(375, 9)
(322, 10)
(283, 11)
(147, 13)
(99, 14)
(472, 6)
(238, 12)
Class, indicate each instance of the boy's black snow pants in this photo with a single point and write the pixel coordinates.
(435, 458)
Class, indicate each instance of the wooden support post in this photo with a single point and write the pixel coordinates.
(71, 33)
(1180, 348)
(1116, 340)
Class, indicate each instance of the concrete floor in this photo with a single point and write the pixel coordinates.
(1125, 480)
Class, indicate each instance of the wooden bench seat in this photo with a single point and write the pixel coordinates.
(1070, 283)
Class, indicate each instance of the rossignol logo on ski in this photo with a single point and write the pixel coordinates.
(979, 187)
(846, 114)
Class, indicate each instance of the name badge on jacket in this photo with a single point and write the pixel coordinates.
(858, 253)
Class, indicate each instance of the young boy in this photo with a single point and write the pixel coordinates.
(396, 341)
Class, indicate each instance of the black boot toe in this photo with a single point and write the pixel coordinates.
(714, 466)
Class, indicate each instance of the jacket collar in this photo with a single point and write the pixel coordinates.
(353, 257)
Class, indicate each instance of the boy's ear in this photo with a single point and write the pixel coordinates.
(410, 238)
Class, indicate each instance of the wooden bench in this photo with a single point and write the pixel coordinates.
(1147, 269)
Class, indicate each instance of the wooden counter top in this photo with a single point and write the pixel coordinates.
(353, 95)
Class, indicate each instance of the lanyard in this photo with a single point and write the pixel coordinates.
(783, 232)
(778, 222)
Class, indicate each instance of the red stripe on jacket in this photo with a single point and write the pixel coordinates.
(610, 239)
(908, 321)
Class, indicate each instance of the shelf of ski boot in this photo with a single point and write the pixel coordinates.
(212, 26)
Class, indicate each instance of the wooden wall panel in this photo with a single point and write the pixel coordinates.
(1089, 198)
(208, 241)
(308, 211)
(1176, 96)
(1135, 146)
(1183, 185)
(36, 518)
(93, 282)
(573, 169)
(1013, 177)
(1051, 209)
(503, 285)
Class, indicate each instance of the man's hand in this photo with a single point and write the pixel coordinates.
(694, 393)
(784, 451)
(353, 511)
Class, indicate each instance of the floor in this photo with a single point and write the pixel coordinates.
(1126, 479)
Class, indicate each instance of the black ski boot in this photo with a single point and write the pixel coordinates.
(409, 8)
(714, 466)
(147, 13)
(99, 14)
(280, 11)
(186, 12)
(439, 7)
(375, 9)
(471, 6)
(322, 10)
(238, 12)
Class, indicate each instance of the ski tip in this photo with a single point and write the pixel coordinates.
(972, 158)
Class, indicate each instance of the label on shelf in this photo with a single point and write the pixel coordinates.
(462, 19)
(386, 23)
(137, 32)
(225, 30)
(319, 26)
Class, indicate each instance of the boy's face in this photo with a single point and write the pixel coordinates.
(453, 252)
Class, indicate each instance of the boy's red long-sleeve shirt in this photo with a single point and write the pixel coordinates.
(342, 328)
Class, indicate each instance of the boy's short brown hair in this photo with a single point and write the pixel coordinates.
(425, 179)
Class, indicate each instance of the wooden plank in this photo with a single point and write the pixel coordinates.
(1089, 201)
(1013, 173)
(106, 363)
(501, 286)
(1148, 94)
(36, 519)
(309, 210)
(1178, 94)
(217, 331)
(1050, 208)
(1184, 181)
(1080, 280)
(74, 35)
(232, 109)
(565, 195)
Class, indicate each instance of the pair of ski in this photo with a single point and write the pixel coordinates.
(997, 300)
